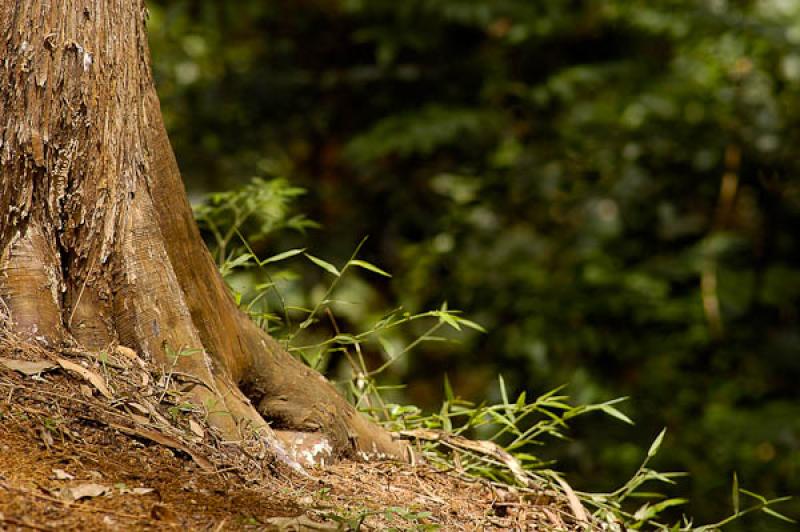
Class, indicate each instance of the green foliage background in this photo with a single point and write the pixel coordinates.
(609, 187)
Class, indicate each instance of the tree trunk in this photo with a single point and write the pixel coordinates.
(98, 245)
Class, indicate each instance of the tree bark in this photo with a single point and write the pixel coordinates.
(98, 245)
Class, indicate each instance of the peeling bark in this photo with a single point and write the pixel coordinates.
(98, 245)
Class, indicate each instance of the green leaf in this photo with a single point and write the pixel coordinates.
(367, 266)
(311, 359)
(347, 339)
(503, 393)
(656, 444)
(647, 512)
(769, 511)
(448, 390)
(327, 266)
(735, 493)
(759, 498)
(282, 256)
(387, 346)
(237, 262)
(659, 507)
(472, 325)
(613, 412)
(521, 400)
(308, 322)
(447, 318)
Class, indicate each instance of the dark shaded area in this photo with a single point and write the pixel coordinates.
(610, 188)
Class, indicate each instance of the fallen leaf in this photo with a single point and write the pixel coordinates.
(483, 447)
(163, 439)
(160, 512)
(134, 491)
(84, 491)
(60, 474)
(126, 352)
(28, 367)
(85, 390)
(301, 522)
(47, 438)
(196, 428)
(141, 420)
(87, 374)
(136, 406)
(129, 353)
(574, 502)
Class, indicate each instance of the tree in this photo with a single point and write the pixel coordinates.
(98, 246)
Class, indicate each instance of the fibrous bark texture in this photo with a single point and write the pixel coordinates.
(97, 241)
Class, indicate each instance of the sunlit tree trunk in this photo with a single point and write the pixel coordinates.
(97, 241)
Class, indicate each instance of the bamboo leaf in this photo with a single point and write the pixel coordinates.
(613, 412)
(327, 266)
(656, 444)
(448, 319)
(759, 498)
(472, 325)
(283, 256)
(448, 390)
(368, 266)
(769, 511)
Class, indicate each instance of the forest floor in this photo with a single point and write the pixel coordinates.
(74, 455)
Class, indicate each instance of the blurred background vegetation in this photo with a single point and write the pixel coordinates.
(608, 187)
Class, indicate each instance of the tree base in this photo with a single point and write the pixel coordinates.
(98, 245)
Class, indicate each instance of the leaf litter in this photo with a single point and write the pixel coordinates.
(120, 455)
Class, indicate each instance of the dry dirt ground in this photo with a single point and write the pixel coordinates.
(86, 450)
